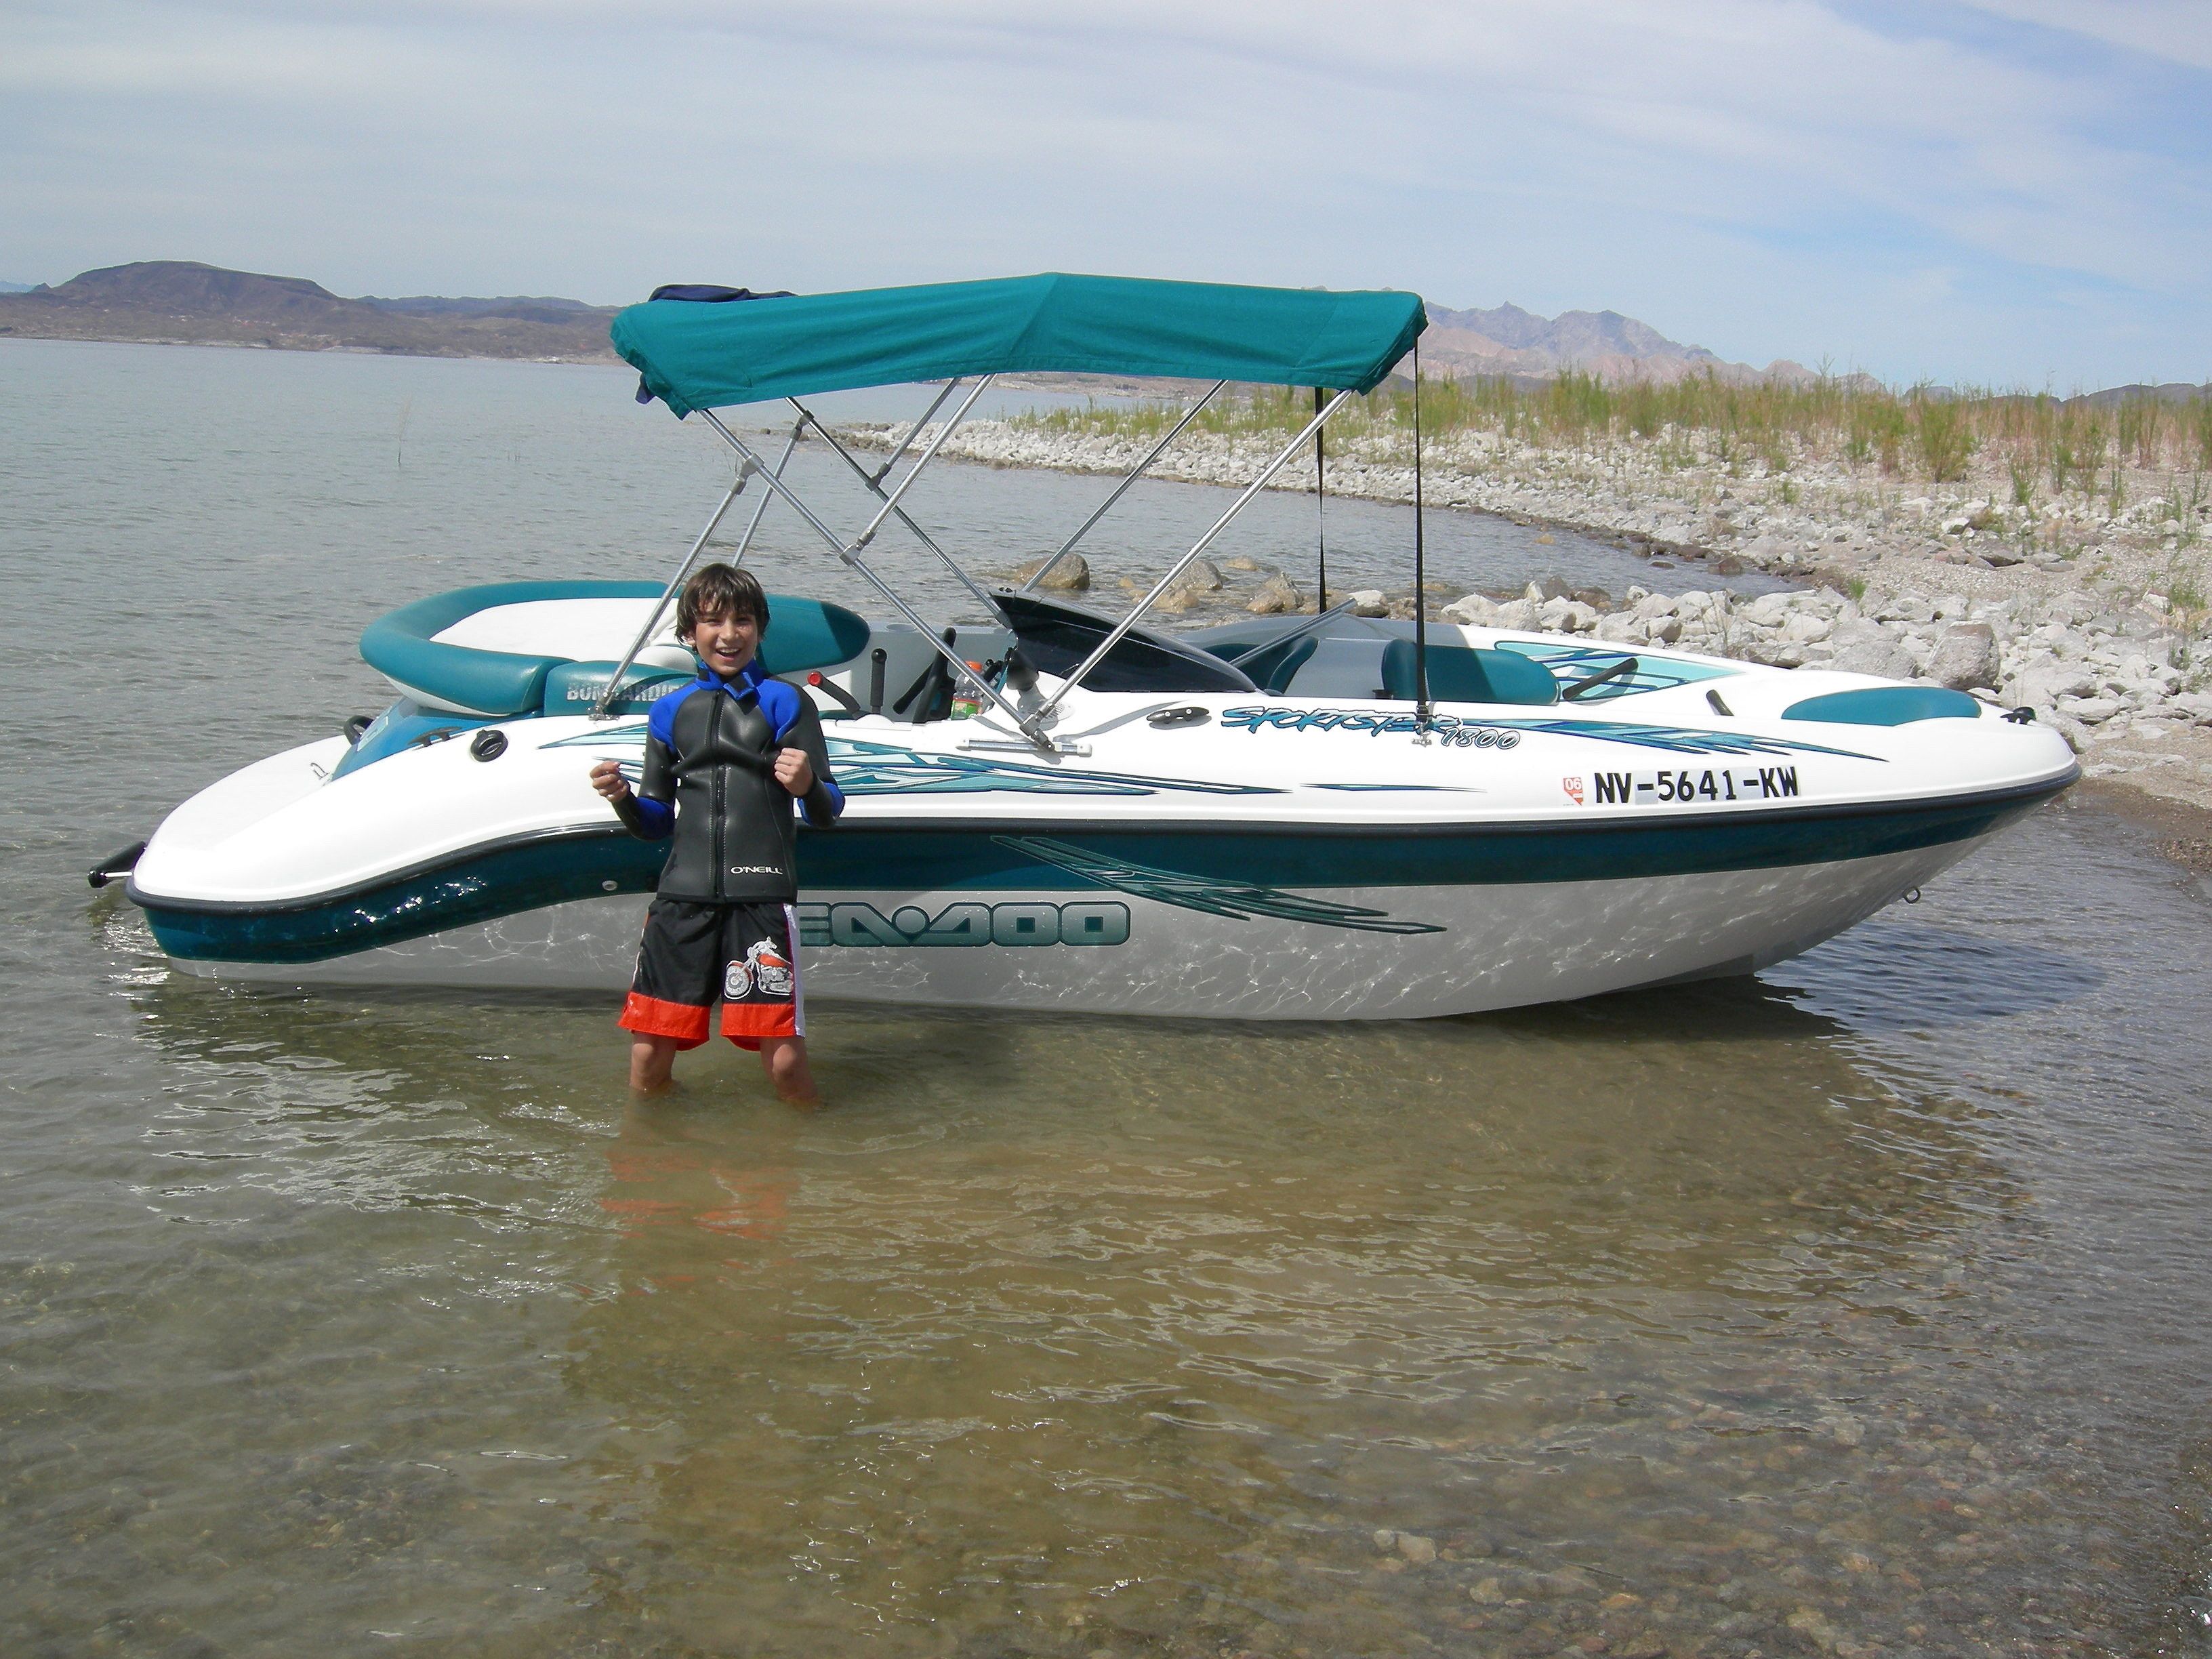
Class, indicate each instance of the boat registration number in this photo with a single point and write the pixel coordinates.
(1685, 787)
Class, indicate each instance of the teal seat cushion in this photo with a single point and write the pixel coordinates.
(1458, 673)
(403, 645)
(1886, 705)
(1271, 667)
(804, 634)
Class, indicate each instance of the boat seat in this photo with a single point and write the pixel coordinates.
(406, 648)
(1459, 673)
(1271, 667)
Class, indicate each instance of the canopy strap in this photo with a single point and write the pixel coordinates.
(746, 467)
(1421, 708)
(1121, 629)
(875, 480)
(851, 555)
(1121, 488)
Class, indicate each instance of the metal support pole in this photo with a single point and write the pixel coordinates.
(760, 508)
(891, 500)
(1122, 487)
(875, 483)
(912, 432)
(1421, 709)
(851, 556)
(747, 466)
(1121, 629)
(1321, 518)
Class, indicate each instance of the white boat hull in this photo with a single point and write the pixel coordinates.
(1497, 947)
(1297, 857)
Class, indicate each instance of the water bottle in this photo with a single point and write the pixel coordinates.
(965, 703)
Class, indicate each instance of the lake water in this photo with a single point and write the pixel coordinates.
(1859, 1307)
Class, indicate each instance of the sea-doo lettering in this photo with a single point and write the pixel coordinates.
(1024, 923)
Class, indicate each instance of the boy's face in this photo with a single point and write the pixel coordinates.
(726, 641)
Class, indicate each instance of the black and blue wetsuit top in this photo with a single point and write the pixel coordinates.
(709, 781)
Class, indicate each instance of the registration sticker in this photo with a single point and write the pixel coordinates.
(1687, 787)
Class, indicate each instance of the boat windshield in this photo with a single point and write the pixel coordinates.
(1059, 638)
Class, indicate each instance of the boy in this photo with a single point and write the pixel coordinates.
(725, 758)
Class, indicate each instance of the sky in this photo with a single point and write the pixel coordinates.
(2000, 192)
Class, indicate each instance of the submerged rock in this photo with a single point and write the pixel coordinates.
(1276, 596)
(1071, 576)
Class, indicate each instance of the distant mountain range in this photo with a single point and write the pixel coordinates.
(172, 300)
(1509, 341)
(177, 302)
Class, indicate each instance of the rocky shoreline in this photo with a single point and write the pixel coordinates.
(2089, 607)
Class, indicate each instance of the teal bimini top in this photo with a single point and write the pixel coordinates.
(695, 355)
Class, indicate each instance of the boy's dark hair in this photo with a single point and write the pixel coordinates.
(720, 590)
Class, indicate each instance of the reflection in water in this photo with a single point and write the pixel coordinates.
(1571, 1297)
(1948, 976)
(1038, 1338)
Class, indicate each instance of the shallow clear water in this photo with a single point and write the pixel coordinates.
(1858, 1307)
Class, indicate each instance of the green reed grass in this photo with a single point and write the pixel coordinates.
(1763, 427)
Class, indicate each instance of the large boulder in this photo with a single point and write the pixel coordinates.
(1473, 610)
(2040, 684)
(1520, 614)
(1071, 576)
(1185, 591)
(1868, 648)
(1965, 658)
(1276, 596)
(1564, 616)
(1202, 576)
(1620, 629)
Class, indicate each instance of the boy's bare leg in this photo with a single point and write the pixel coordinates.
(785, 1059)
(651, 1061)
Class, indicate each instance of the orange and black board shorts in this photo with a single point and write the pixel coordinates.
(695, 954)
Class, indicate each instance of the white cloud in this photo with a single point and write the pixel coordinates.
(2176, 31)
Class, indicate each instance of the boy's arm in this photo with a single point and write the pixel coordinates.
(824, 800)
(647, 811)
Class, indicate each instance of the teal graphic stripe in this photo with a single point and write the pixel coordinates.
(987, 856)
(883, 769)
(1241, 900)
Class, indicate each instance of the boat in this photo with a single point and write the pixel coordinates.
(1318, 816)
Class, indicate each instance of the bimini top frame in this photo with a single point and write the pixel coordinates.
(701, 349)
